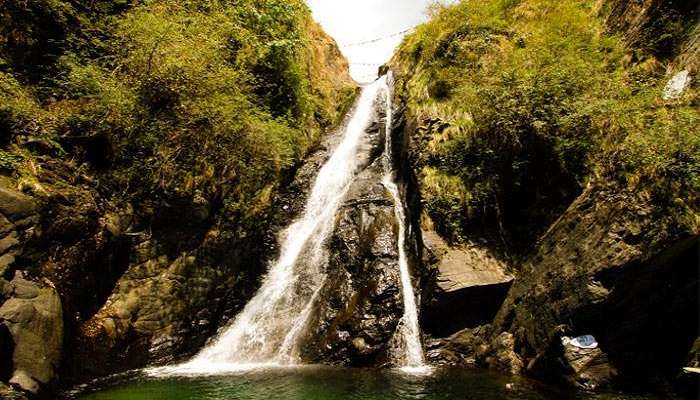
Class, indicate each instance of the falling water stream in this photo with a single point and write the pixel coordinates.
(266, 333)
(409, 354)
(249, 358)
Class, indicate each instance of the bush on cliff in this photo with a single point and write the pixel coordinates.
(523, 103)
(169, 98)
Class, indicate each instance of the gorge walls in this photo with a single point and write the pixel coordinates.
(526, 135)
(138, 185)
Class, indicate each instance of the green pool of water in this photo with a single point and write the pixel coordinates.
(327, 383)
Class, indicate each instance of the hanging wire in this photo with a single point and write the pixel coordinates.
(403, 32)
(365, 64)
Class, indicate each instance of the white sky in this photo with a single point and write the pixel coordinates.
(352, 21)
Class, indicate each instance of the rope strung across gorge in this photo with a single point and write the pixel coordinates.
(366, 64)
(403, 32)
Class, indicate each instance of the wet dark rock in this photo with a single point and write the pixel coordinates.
(458, 349)
(362, 301)
(294, 190)
(129, 291)
(162, 307)
(469, 348)
(590, 368)
(501, 354)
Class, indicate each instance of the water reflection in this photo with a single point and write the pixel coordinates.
(328, 383)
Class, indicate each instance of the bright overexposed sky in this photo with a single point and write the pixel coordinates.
(353, 21)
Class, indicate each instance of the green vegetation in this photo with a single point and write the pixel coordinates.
(169, 98)
(523, 103)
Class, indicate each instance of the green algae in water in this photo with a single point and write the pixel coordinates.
(326, 383)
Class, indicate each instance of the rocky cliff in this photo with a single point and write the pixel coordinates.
(547, 146)
(549, 152)
(356, 319)
(143, 145)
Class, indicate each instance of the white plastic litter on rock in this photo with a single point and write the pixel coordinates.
(676, 85)
(582, 342)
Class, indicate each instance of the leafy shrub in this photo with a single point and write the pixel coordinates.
(9, 161)
(539, 103)
(177, 98)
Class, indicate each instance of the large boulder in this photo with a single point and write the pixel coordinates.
(187, 277)
(34, 319)
(15, 205)
(472, 284)
(613, 266)
(589, 367)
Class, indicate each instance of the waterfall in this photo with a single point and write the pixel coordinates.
(266, 332)
(409, 352)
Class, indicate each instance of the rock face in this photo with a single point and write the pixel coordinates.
(471, 285)
(142, 249)
(168, 303)
(361, 301)
(360, 304)
(125, 286)
(607, 255)
(57, 260)
(642, 25)
(161, 307)
(122, 287)
(612, 266)
(32, 321)
(17, 216)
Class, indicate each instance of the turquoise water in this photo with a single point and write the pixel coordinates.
(328, 383)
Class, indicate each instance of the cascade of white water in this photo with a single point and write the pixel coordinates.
(266, 332)
(410, 354)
